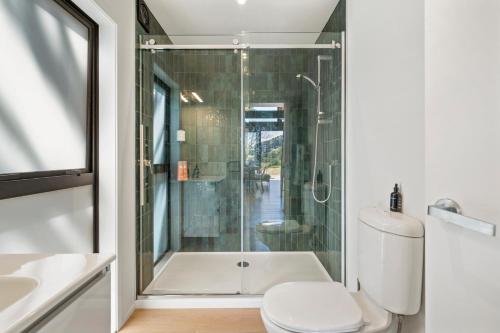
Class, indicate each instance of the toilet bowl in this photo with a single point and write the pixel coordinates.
(320, 307)
(390, 261)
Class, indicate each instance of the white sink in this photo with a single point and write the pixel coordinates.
(13, 288)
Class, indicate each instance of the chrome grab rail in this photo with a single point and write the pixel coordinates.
(449, 211)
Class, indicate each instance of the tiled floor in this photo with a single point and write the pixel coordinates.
(195, 321)
(218, 273)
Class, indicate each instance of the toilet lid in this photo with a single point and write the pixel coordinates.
(312, 307)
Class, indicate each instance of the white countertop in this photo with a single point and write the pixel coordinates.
(58, 275)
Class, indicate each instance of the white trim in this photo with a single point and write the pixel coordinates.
(197, 302)
(108, 140)
(130, 311)
(343, 158)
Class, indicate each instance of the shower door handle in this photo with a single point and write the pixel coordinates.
(141, 165)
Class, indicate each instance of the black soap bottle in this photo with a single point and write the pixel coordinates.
(196, 172)
(319, 177)
(396, 203)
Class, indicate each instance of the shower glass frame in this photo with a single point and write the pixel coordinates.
(244, 52)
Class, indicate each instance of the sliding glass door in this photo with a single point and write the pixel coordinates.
(239, 167)
(191, 187)
(292, 166)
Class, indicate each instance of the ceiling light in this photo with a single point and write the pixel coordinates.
(184, 99)
(198, 98)
(241, 2)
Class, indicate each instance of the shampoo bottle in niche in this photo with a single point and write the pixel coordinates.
(396, 203)
(182, 171)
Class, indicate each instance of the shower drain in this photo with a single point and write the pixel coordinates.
(243, 264)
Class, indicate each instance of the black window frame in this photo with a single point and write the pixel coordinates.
(27, 183)
(166, 165)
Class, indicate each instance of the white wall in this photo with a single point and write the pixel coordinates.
(462, 82)
(59, 221)
(123, 14)
(385, 113)
(70, 210)
(53, 222)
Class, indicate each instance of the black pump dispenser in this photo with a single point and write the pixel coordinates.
(396, 203)
(319, 177)
(196, 172)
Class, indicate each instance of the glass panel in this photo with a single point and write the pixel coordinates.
(287, 144)
(210, 115)
(203, 198)
(292, 150)
(160, 170)
(44, 77)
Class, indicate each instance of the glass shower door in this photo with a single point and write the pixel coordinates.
(157, 104)
(247, 147)
(195, 178)
(292, 148)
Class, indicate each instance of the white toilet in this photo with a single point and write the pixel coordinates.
(390, 261)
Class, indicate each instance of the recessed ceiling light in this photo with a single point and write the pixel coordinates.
(197, 97)
(184, 99)
(241, 2)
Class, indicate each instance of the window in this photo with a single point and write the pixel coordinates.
(48, 98)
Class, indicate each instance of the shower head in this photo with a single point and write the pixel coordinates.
(308, 79)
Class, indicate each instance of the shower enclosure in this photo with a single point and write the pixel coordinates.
(240, 165)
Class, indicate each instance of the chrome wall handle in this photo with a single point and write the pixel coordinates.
(449, 211)
(141, 164)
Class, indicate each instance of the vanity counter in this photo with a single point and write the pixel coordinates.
(40, 282)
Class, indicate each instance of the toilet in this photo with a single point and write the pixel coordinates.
(390, 263)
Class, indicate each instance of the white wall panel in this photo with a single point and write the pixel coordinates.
(385, 113)
(52, 222)
(463, 163)
(122, 12)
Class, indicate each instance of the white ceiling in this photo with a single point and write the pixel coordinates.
(268, 21)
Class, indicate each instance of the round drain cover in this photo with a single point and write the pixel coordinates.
(243, 264)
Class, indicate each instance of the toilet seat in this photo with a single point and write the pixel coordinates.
(305, 307)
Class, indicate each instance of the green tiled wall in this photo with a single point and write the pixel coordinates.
(272, 79)
(328, 236)
(212, 137)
